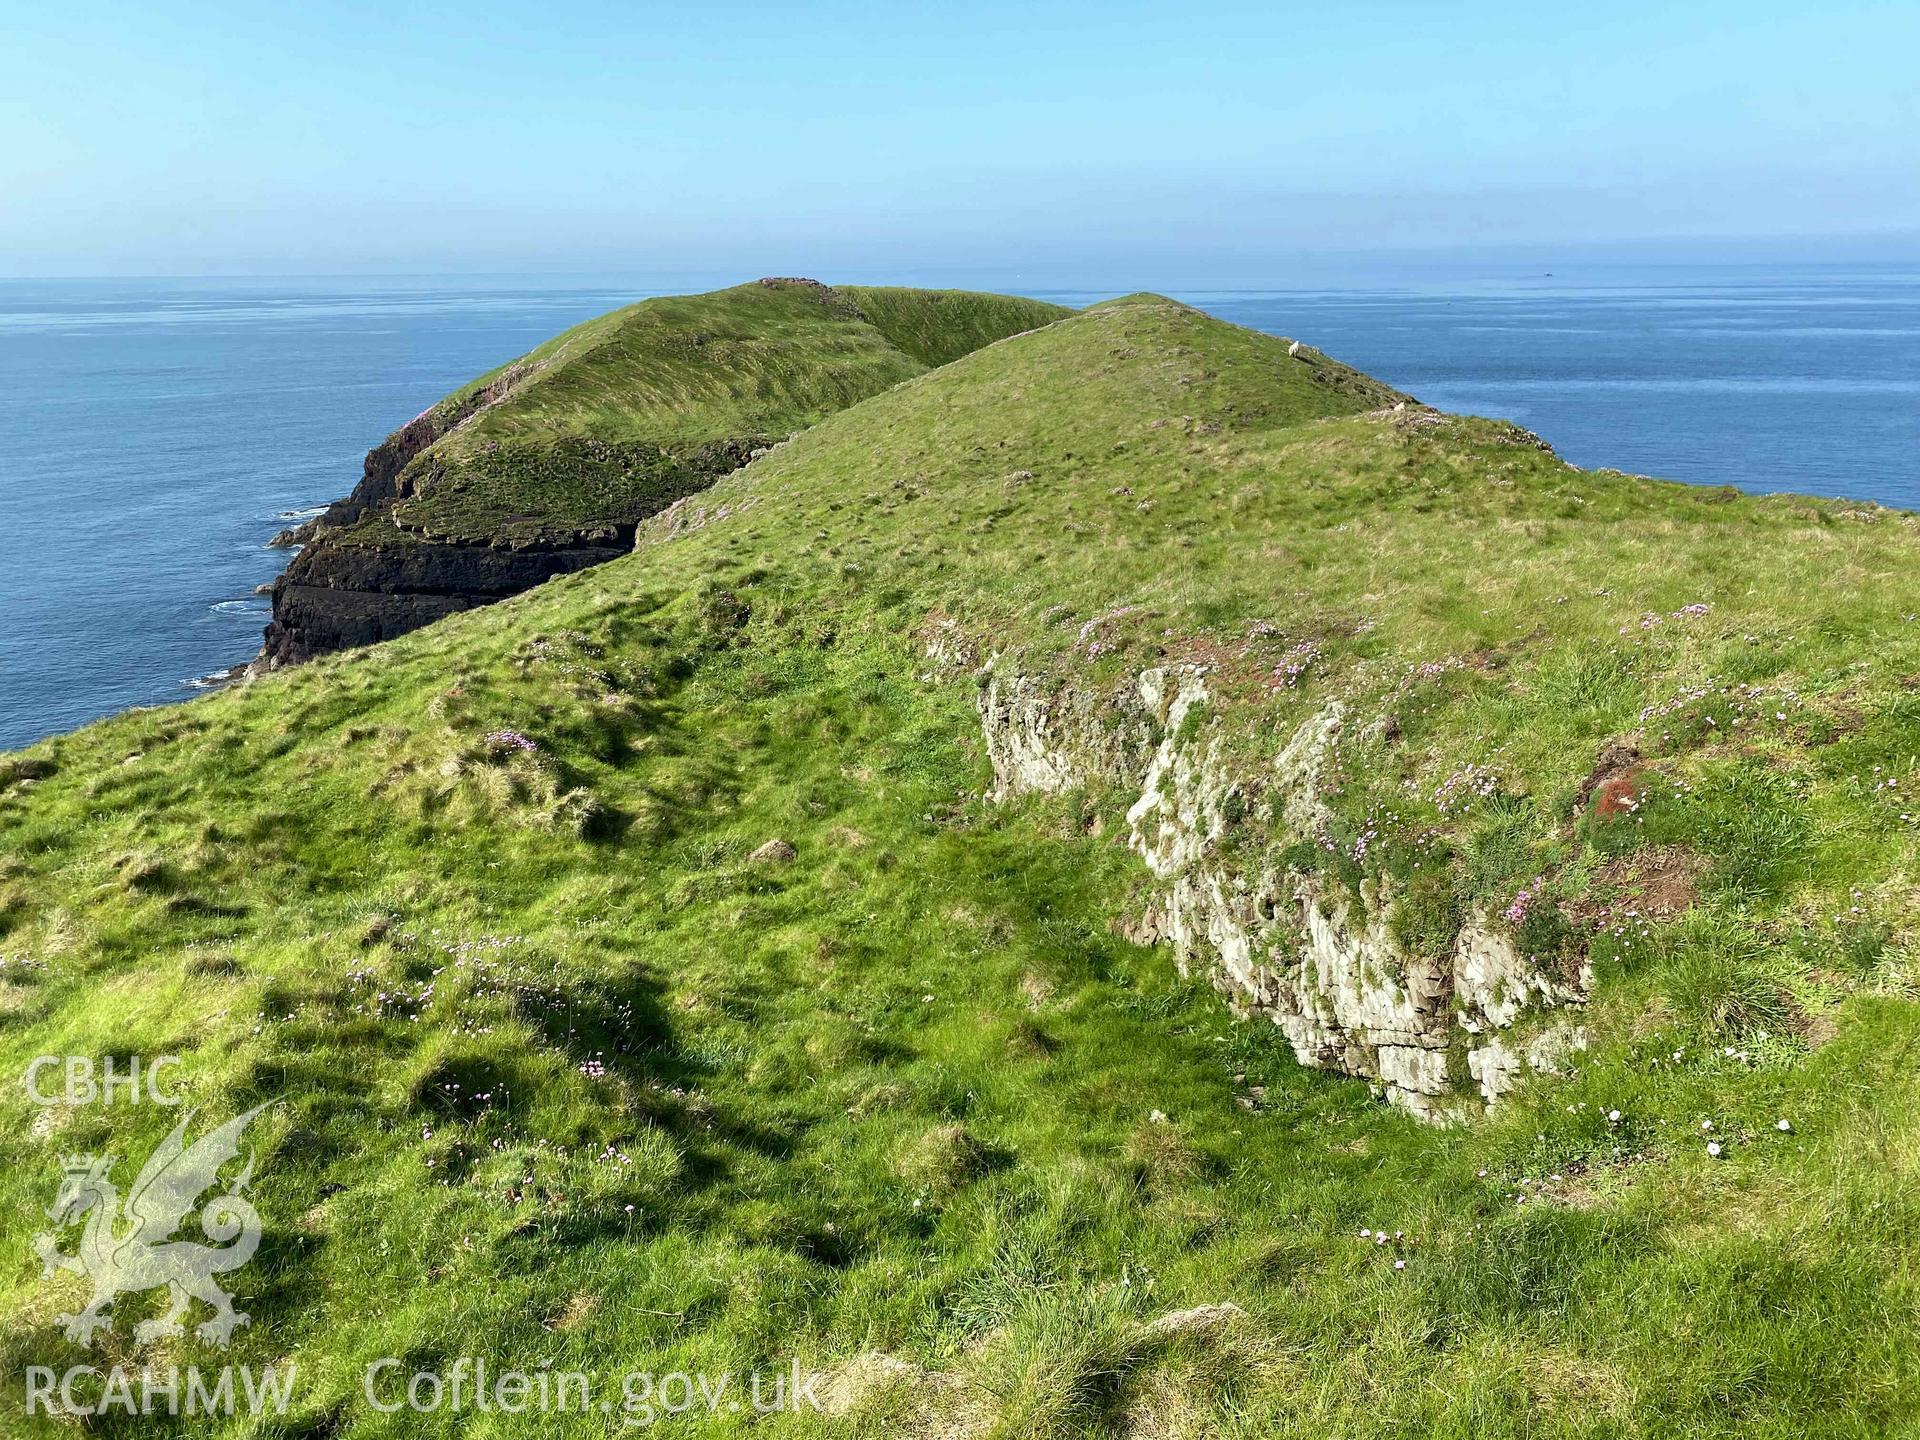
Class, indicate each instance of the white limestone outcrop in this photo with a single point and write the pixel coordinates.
(1280, 943)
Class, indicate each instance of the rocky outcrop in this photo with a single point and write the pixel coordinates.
(1288, 945)
(368, 570)
(380, 473)
(337, 595)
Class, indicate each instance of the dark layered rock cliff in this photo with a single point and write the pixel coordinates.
(338, 595)
(367, 571)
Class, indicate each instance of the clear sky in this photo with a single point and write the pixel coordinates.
(1190, 141)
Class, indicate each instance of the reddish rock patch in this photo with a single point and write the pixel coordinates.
(1618, 796)
(1613, 780)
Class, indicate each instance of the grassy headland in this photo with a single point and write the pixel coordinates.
(680, 374)
(562, 1073)
(546, 465)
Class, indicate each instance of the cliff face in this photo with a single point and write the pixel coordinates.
(380, 473)
(368, 573)
(337, 595)
(1436, 1029)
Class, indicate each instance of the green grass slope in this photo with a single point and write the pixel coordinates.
(562, 1074)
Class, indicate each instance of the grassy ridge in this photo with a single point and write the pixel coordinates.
(937, 327)
(563, 1073)
(679, 376)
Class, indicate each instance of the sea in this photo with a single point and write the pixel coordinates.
(154, 434)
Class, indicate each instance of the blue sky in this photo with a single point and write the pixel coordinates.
(1201, 141)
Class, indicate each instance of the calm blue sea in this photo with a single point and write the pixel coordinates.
(154, 434)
